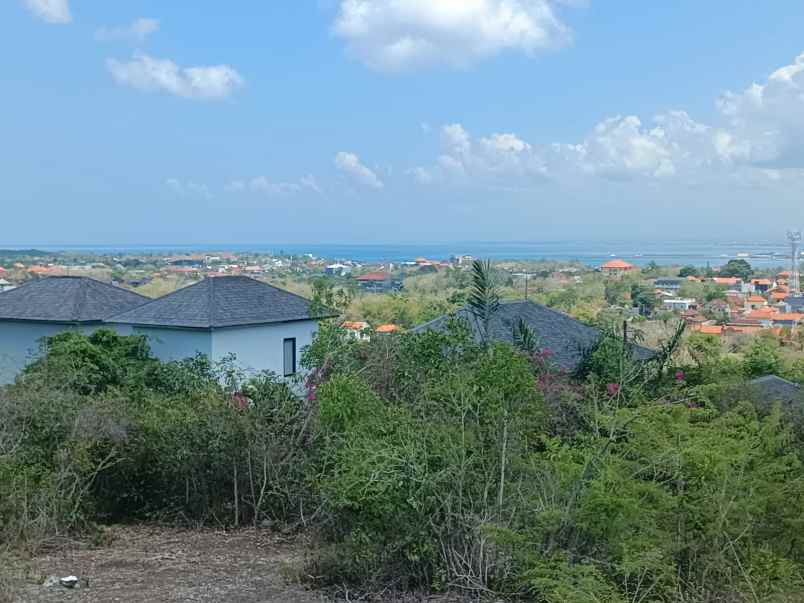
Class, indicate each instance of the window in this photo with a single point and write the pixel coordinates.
(289, 349)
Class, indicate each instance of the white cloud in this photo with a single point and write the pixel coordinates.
(765, 122)
(465, 159)
(188, 188)
(137, 31)
(350, 164)
(161, 75)
(617, 148)
(395, 35)
(52, 11)
(266, 186)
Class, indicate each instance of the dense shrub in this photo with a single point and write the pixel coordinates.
(430, 461)
(97, 429)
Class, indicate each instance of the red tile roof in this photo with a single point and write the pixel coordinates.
(355, 325)
(373, 276)
(710, 329)
(617, 265)
(389, 328)
(790, 317)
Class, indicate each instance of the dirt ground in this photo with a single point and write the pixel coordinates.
(150, 565)
(155, 565)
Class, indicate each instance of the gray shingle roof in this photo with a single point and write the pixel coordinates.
(224, 301)
(566, 337)
(66, 299)
(775, 389)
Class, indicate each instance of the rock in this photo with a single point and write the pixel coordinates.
(69, 581)
(51, 581)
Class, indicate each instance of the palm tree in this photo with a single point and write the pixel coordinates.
(484, 298)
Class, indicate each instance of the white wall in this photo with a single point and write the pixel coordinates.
(20, 342)
(176, 344)
(260, 348)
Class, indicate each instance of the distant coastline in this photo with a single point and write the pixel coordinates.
(699, 253)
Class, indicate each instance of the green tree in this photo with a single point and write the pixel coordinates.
(644, 298)
(762, 358)
(688, 271)
(739, 268)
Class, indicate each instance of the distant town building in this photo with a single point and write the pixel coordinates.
(669, 284)
(617, 267)
(677, 304)
(338, 270)
(388, 328)
(358, 329)
(379, 281)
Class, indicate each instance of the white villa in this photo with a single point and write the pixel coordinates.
(266, 328)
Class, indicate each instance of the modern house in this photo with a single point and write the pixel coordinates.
(48, 306)
(565, 337)
(266, 328)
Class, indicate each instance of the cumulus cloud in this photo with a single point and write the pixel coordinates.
(188, 188)
(52, 11)
(266, 186)
(137, 31)
(465, 158)
(757, 140)
(618, 148)
(149, 74)
(765, 122)
(350, 164)
(396, 35)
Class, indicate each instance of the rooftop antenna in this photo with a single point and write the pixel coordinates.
(794, 237)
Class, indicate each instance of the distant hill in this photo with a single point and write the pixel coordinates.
(24, 253)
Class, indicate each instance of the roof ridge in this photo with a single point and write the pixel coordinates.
(79, 300)
(153, 300)
(212, 301)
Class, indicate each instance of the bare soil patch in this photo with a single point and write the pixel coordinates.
(144, 564)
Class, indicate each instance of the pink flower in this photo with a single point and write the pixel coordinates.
(679, 375)
(613, 389)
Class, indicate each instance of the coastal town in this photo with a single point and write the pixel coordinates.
(725, 301)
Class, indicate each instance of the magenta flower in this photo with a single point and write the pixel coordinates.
(613, 389)
(679, 375)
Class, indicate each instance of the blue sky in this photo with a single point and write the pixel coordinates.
(399, 120)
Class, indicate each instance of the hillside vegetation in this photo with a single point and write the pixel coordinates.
(429, 462)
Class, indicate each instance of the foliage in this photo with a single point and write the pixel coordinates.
(644, 298)
(739, 268)
(433, 461)
(762, 358)
(98, 429)
(484, 298)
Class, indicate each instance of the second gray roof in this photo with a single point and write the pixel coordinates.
(775, 389)
(225, 301)
(566, 337)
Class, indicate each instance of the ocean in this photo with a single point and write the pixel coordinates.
(698, 253)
